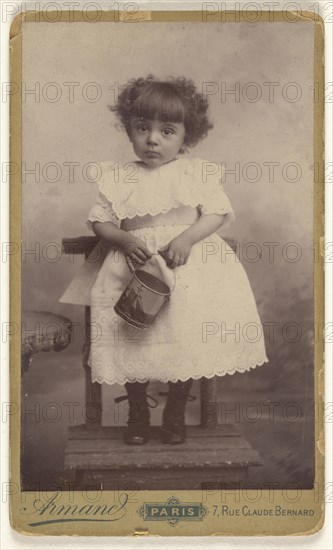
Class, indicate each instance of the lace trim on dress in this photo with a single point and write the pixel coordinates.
(123, 211)
(180, 366)
(102, 211)
(154, 192)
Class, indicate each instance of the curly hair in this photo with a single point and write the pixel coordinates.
(171, 100)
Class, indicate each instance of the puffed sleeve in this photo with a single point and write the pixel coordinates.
(102, 211)
(215, 201)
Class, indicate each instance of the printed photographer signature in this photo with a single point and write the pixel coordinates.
(103, 512)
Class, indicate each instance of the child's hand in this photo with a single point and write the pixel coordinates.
(177, 252)
(136, 251)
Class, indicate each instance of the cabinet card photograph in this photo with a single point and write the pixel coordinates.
(167, 302)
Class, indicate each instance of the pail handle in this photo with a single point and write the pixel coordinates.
(132, 268)
(129, 264)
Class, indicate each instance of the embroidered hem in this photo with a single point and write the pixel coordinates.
(194, 376)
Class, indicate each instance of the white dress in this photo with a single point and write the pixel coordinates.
(210, 325)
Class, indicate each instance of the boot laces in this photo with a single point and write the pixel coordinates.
(151, 405)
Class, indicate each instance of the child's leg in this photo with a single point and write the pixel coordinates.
(137, 432)
(173, 425)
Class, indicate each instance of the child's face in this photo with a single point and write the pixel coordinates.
(156, 142)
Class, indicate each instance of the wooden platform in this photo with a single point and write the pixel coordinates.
(214, 456)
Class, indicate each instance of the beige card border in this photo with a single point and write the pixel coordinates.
(22, 512)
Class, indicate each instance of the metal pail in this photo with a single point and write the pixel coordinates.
(143, 298)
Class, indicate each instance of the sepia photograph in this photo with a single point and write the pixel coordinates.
(170, 213)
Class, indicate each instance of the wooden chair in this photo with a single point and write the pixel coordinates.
(98, 453)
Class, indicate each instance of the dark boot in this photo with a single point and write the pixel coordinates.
(173, 425)
(137, 432)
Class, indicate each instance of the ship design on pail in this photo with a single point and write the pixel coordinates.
(142, 300)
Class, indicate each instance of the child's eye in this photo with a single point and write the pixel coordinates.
(141, 127)
(168, 131)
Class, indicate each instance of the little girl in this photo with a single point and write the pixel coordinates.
(162, 211)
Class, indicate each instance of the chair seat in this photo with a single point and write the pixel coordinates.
(209, 455)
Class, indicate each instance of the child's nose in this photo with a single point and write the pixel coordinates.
(152, 138)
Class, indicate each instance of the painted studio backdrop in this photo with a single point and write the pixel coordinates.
(258, 78)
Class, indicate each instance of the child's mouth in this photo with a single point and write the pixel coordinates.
(152, 154)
